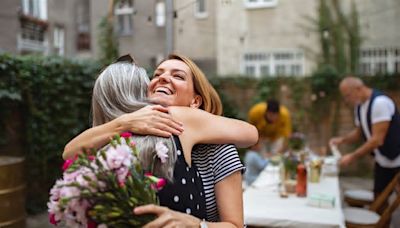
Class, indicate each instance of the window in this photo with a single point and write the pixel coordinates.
(58, 40)
(201, 9)
(250, 71)
(397, 67)
(274, 63)
(31, 31)
(124, 12)
(32, 38)
(379, 60)
(254, 4)
(280, 70)
(82, 42)
(35, 8)
(295, 70)
(264, 70)
(160, 14)
(33, 26)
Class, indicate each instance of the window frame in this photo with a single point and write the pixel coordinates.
(379, 60)
(200, 14)
(124, 12)
(59, 40)
(160, 12)
(278, 62)
(35, 8)
(257, 4)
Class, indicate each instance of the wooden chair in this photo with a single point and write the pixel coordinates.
(368, 218)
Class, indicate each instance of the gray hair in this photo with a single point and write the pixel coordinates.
(148, 155)
(122, 88)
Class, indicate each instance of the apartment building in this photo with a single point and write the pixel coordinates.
(48, 27)
(195, 32)
(265, 37)
(141, 29)
(139, 26)
(380, 51)
(224, 37)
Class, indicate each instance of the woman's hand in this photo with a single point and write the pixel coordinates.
(151, 120)
(167, 217)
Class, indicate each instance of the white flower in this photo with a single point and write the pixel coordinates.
(55, 191)
(68, 177)
(162, 151)
(122, 173)
(119, 156)
(84, 171)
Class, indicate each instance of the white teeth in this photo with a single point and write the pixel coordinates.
(163, 90)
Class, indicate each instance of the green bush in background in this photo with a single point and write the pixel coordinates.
(53, 96)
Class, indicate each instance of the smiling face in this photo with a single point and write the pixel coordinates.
(172, 84)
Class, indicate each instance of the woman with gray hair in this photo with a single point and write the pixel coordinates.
(121, 88)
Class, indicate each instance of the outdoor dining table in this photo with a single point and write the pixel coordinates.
(264, 207)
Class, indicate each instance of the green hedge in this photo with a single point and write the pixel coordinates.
(53, 96)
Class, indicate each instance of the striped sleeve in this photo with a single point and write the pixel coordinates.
(225, 162)
(214, 163)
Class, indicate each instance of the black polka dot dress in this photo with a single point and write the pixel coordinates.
(186, 193)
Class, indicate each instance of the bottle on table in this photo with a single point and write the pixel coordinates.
(301, 185)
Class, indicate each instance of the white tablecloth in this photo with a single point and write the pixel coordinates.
(264, 207)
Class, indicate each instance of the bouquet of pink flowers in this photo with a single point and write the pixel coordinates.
(101, 189)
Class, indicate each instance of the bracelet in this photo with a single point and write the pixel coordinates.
(203, 224)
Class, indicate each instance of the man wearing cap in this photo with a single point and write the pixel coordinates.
(273, 123)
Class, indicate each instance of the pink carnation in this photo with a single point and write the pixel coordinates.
(126, 134)
(52, 219)
(91, 224)
(67, 164)
(161, 183)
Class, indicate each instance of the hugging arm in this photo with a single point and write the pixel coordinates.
(212, 129)
(91, 138)
(150, 120)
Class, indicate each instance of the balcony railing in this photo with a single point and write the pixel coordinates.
(32, 46)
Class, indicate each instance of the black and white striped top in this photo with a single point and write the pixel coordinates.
(214, 163)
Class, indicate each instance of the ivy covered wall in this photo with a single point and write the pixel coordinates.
(44, 102)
